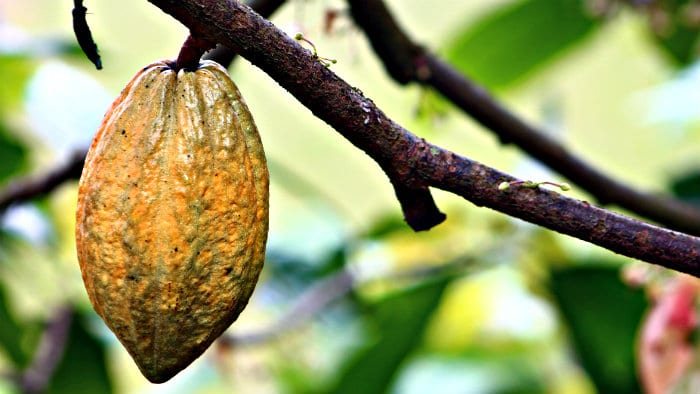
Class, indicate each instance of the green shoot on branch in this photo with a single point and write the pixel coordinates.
(533, 185)
(324, 60)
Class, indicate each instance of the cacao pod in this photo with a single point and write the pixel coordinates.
(172, 214)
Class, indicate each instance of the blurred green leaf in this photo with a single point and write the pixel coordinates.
(677, 35)
(400, 320)
(13, 153)
(298, 272)
(15, 71)
(385, 226)
(680, 45)
(687, 187)
(603, 316)
(335, 261)
(69, 48)
(12, 334)
(431, 107)
(513, 41)
(83, 368)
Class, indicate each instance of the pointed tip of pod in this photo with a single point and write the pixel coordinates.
(164, 366)
(158, 376)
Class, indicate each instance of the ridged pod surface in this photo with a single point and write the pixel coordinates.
(172, 214)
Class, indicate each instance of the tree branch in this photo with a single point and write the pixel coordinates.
(36, 377)
(408, 62)
(339, 285)
(265, 8)
(26, 189)
(310, 303)
(413, 162)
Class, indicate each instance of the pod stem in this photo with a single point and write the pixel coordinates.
(190, 53)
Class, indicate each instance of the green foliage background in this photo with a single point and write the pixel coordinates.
(480, 304)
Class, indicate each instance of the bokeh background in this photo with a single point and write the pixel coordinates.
(351, 300)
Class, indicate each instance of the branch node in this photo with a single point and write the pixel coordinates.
(418, 206)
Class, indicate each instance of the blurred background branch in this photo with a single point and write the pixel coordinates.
(49, 352)
(328, 290)
(21, 190)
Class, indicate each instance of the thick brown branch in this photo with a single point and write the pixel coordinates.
(414, 162)
(405, 61)
(223, 55)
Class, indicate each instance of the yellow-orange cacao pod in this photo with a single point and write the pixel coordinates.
(172, 214)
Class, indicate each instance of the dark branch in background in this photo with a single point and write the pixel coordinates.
(83, 34)
(337, 286)
(49, 353)
(221, 55)
(408, 62)
(410, 161)
(305, 307)
(26, 189)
